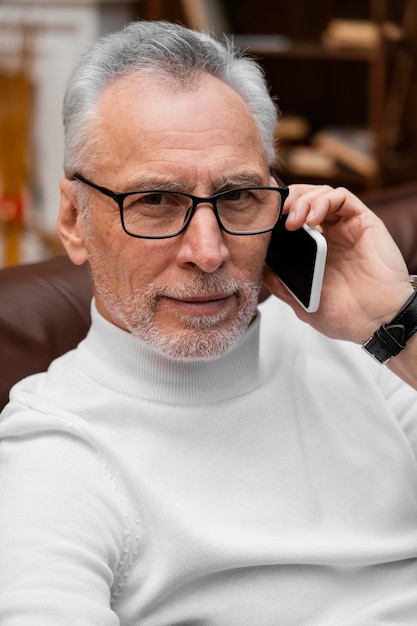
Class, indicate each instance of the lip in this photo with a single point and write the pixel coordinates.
(202, 305)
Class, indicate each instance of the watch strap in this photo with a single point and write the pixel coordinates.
(391, 338)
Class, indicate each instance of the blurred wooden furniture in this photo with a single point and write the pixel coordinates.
(347, 70)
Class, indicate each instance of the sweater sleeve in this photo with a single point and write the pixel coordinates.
(402, 400)
(62, 531)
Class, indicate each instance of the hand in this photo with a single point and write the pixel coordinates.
(366, 279)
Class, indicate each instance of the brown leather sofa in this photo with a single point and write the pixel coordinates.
(44, 307)
(44, 312)
(397, 206)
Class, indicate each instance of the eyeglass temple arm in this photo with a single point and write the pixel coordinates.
(103, 190)
(274, 174)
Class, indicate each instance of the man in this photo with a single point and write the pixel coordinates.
(195, 460)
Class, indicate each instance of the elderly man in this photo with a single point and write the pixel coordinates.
(199, 459)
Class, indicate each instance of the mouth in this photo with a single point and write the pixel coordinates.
(202, 305)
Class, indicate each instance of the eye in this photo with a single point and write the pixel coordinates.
(154, 198)
(143, 200)
(234, 195)
(239, 198)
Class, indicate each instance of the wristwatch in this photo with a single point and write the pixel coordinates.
(391, 338)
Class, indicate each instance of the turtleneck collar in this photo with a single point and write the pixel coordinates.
(118, 360)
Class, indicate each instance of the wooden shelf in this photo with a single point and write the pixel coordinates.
(315, 72)
(309, 51)
(282, 50)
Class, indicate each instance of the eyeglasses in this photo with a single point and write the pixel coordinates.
(161, 214)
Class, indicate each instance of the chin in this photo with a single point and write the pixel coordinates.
(194, 344)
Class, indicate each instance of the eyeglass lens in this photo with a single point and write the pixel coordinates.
(164, 213)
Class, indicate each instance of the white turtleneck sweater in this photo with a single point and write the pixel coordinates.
(274, 486)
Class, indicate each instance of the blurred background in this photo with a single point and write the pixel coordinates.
(343, 72)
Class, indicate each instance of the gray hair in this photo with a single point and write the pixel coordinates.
(167, 51)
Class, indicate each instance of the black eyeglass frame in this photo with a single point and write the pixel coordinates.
(119, 198)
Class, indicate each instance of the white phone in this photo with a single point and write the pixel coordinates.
(298, 258)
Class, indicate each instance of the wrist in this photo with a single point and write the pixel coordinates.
(391, 337)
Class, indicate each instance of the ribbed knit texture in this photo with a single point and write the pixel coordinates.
(131, 367)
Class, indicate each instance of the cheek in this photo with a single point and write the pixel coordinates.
(133, 263)
(249, 254)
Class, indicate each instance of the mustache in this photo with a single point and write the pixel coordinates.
(201, 284)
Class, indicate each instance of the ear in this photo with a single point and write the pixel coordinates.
(70, 225)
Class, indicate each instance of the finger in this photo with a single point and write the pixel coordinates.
(300, 202)
(315, 204)
(333, 205)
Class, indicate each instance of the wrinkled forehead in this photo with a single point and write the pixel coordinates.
(142, 119)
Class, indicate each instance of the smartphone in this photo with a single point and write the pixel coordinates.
(298, 258)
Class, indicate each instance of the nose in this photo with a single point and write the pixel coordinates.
(202, 244)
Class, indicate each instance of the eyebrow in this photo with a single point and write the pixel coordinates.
(243, 180)
(160, 182)
(153, 183)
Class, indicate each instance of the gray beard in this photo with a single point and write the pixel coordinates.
(200, 338)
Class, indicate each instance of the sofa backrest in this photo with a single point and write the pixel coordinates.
(44, 312)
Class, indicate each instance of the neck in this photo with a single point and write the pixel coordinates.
(128, 364)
